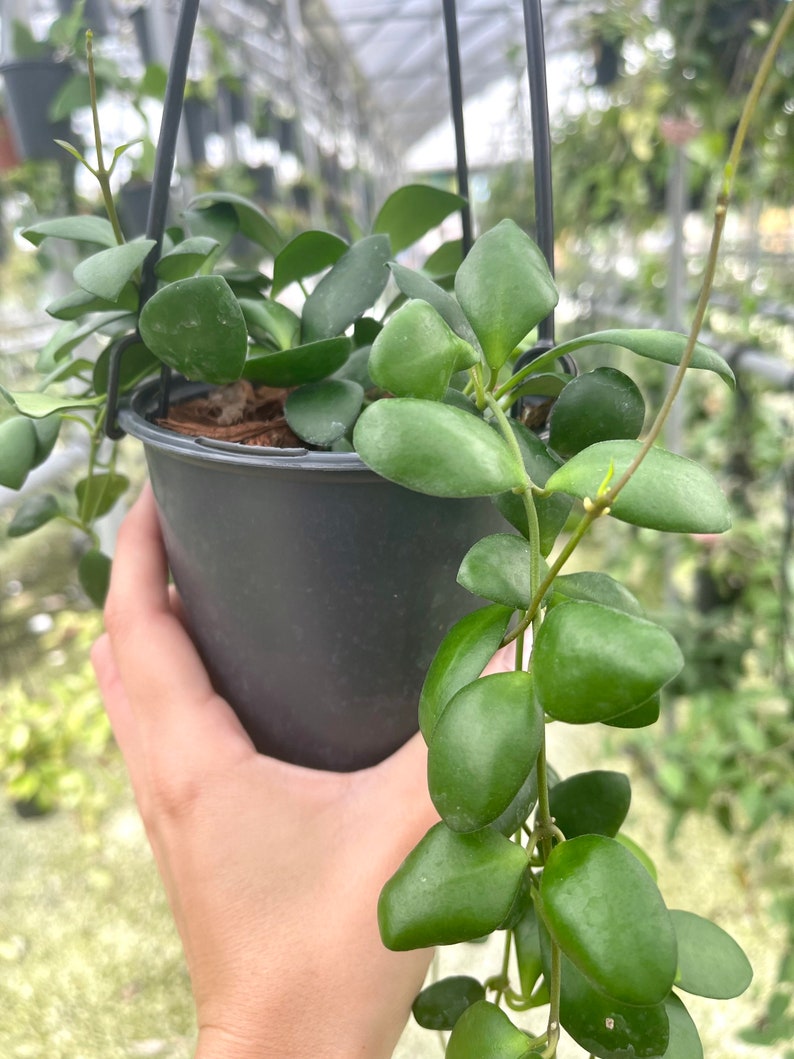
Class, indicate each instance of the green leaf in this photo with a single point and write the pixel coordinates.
(417, 353)
(33, 513)
(252, 222)
(684, 1038)
(637, 851)
(351, 287)
(445, 261)
(517, 812)
(46, 431)
(269, 321)
(591, 803)
(93, 573)
(415, 285)
(137, 363)
(321, 412)
(463, 654)
(665, 346)
(597, 406)
(483, 747)
(440, 1005)
(218, 222)
(97, 494)
(107, 273)
(69, 336)
(17, 451)
(84, 229)
(668, 491)
(497, 568)
(186, 258)
(483, 1031)
(642, 716)
(592, 662)
(528, 955)
(450, 888)
(505, 289)
(196, 326)
(412, 211)
(710, 963)
(39, 405)
(591, 888)
(79, 303)
(434, 448)
(596, 587)
(295, 367)
(306, 255)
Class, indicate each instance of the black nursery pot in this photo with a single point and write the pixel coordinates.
(316, 591)
(31, 86)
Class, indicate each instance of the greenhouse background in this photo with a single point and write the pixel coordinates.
(318, 109)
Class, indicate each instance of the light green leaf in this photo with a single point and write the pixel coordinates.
(107, 273)
(684, 1039)
(596, 587)
(306, 255)
(69, 336)
(668, 491)
(412, 211)
(710, 963)
(295, 367)
(321, 412)
(591, 803)
(39, 405)
(484, 1031)
(637, 851)
(17, 451)
(46, 431)
(445, 261)
(98, 494)
(269, 321)
(345, 293)
(253, 223)
(186, 258)
(84, 229)
(415, 285)
(79, 303)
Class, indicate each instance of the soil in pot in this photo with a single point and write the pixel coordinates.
(237, 413)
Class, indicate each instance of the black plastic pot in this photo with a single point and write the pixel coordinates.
(316, 591)
(31, 87)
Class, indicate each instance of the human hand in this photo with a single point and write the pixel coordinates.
(272, 871)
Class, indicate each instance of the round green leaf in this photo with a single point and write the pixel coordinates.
(306, 255)
(412, 211)
(596, 587)
(295, 367)
(484, 1031)
(597, 406)
(34, 512)
(592, 663)
(710, 963)
(668, 491)
(435, 449)
(440, 1005)
(505, 289)
(484, 746)
(591, 888)
(93, 573)
(107, 273)
(197, 327)
(684, 1039)
(497, 568)
(17, 451)
(321, 412)
(351, 287)
(591, 803)
(416, 353)
(450, 888)
(461, 657)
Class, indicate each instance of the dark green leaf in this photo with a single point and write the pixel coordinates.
(17, 451)
(33, 513)
(435, 449)
(642, 716)
(597, 406)
(684, 1039)
(463, 654)
(484, 1032)
(440, 1005)
(97, 495)
(186, 258)
(517, 812)
(136, 363)
(591, 888)
(450, 888)
(544, 384)
(596, 587)
(528, 957)
(591, 803)
(107, 273)
(218, 222)
(710, 963)
(483, 747)
(321, 412)
(268, 321)
(415, 285)
(295, 367)
(497, 568)
(412, 211)
(351, 287)
(85, 229)
(306, 255)
(505, 289)
(253, 223)
(196, 326)
(93, 573)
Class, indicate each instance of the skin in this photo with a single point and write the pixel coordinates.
(272, 871)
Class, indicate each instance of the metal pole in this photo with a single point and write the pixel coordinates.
(456, 95)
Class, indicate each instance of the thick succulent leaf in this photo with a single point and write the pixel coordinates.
(591, 803)
(684, 1038)
(186, 258)
(603, 1026)
(34, 512)
(463, 654)
(218, 222)
(412, 211)
(253, 223)
(269, 321)
(97, 494)
(415, 285)
(517, 812)
(107, 273)
(434, 448)
(417, 353)
(710, 962)
(665, 346)
(596, 587)
(46, 431)
(197, 327)
(84, 229)
(450, 888)
(17, 451)
(642, 716)
(484, 1031)
(597, 406)
(445, 261)
(38, 405)
(592, 663)
(345, 293)
(93, 573)
(440, 1005)
(79, 303)
(528, 954)
(637, 851)
(295, 367)
(321, 412)
(505, 289)
(483, 747)
(590, 889)
(497, 568)
(306, 255)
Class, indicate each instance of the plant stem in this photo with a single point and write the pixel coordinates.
(101, 173)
